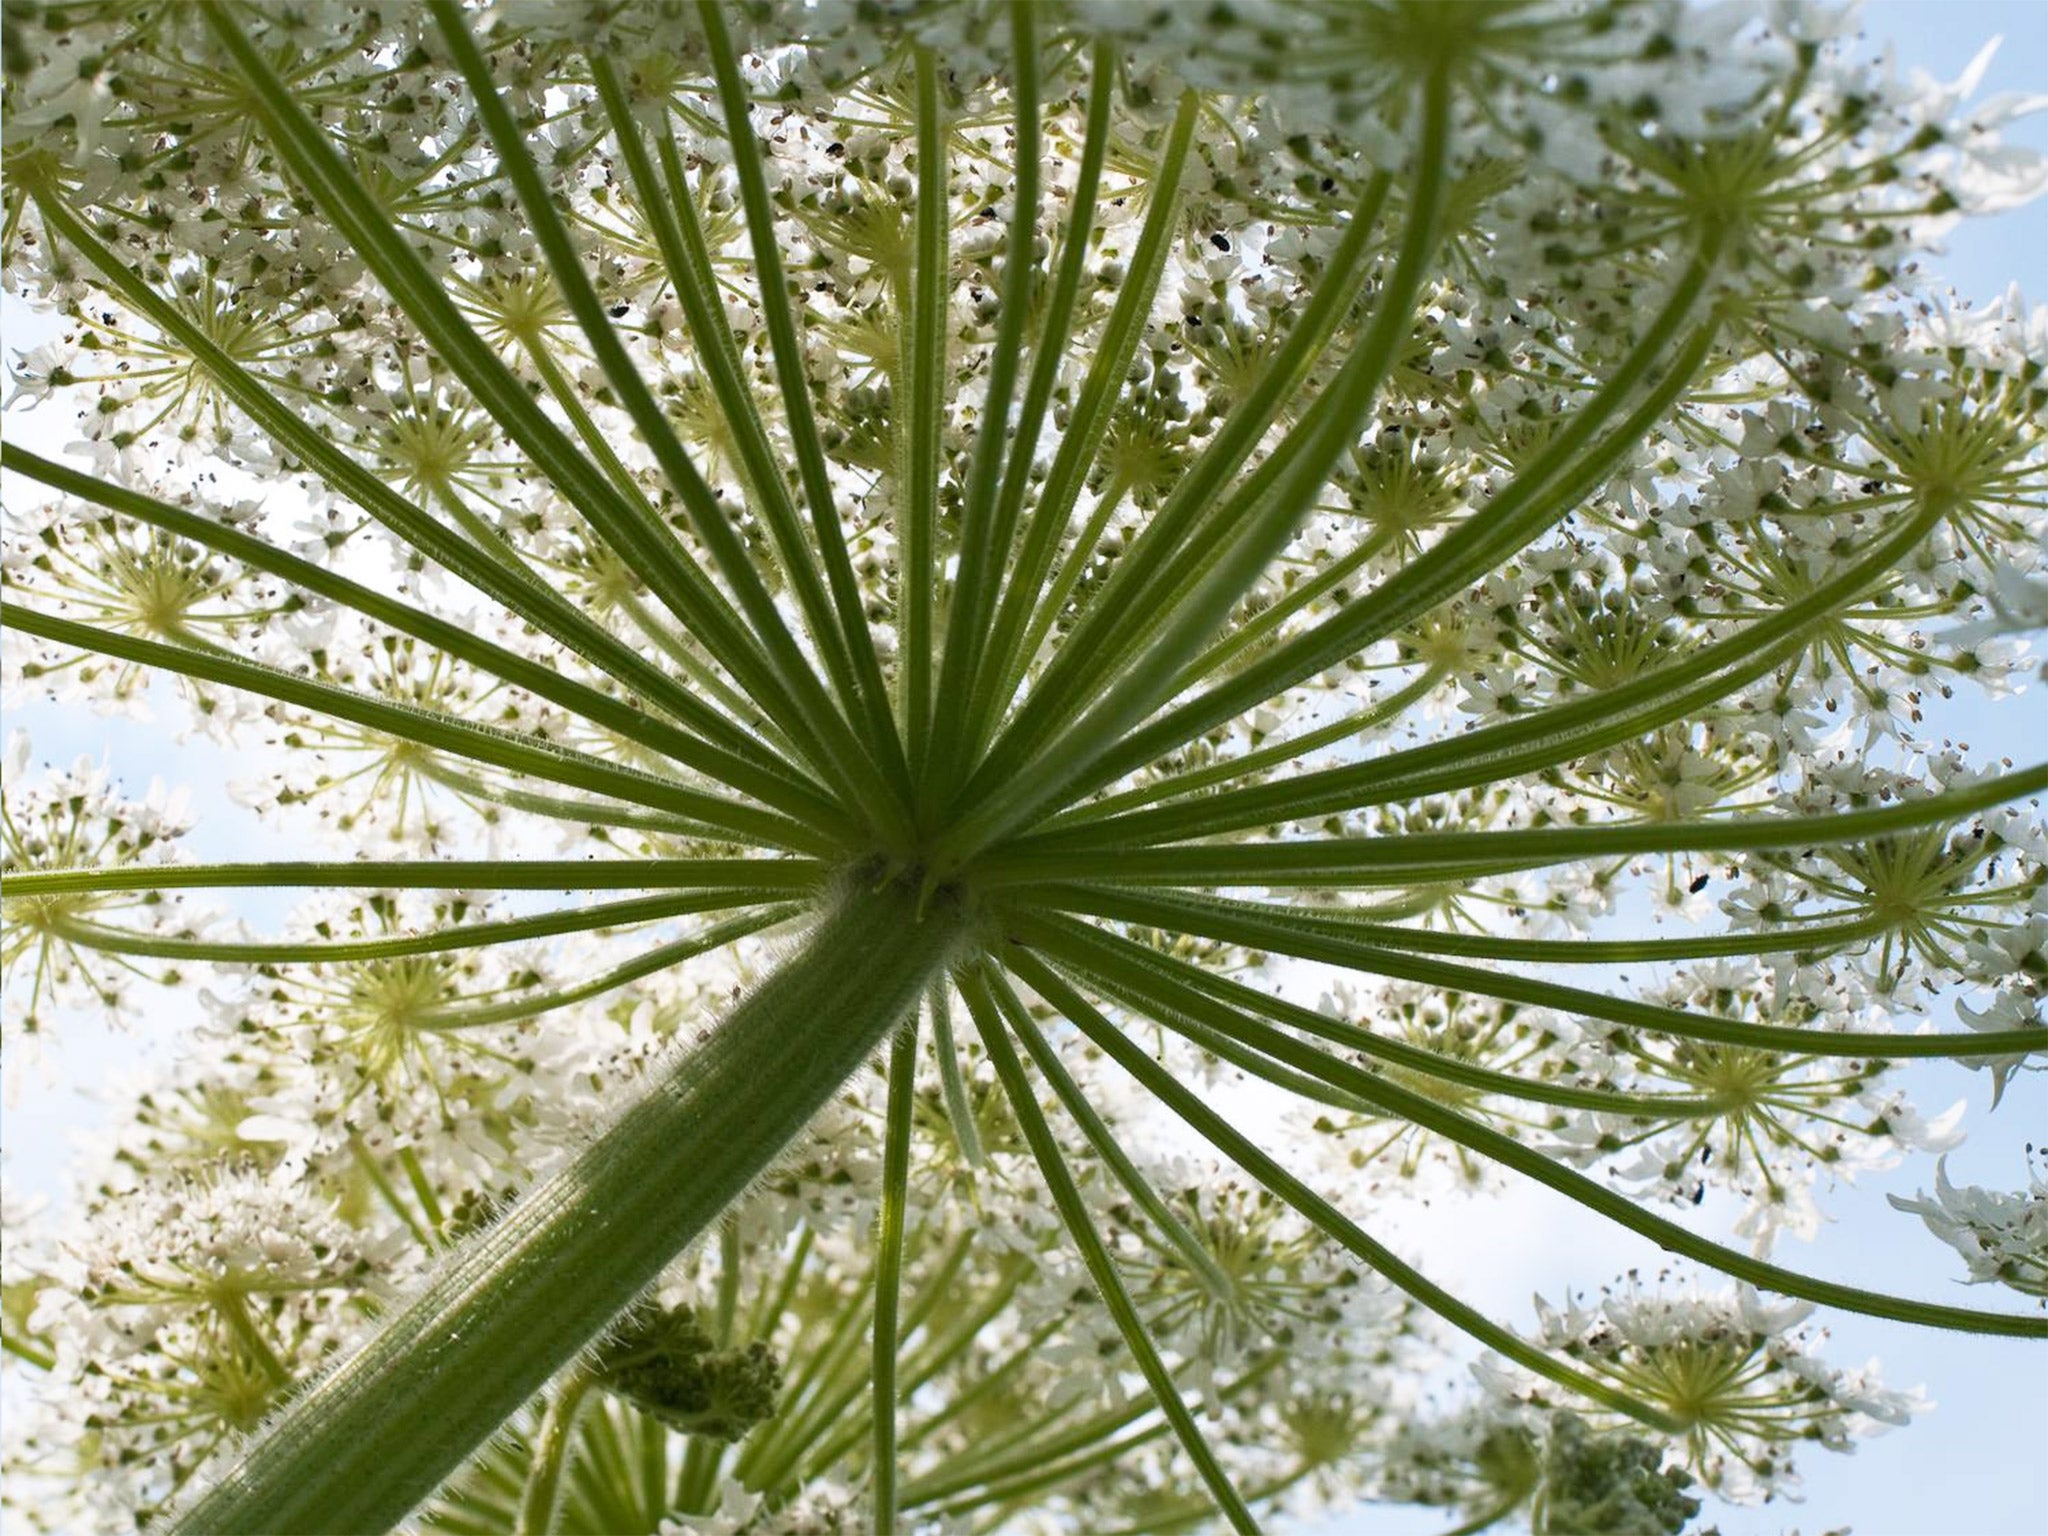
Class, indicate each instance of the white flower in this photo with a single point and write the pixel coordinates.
(1734, 1369)
(2002, 1237)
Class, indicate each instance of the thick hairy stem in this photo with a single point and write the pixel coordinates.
(363, 1446)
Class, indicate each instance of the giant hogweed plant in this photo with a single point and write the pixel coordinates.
(959, 687)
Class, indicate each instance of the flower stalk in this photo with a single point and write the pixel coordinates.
(359, 1449)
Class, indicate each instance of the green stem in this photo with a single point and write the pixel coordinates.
(1428, 856)
(1026, 1443)
(728, 1283)
(672, 212)
(662, 957)
(366, 1165)
(1014, 1494)
(924, 356)
(657, 1489)
(789, 367)
(1201, 1263)
(985, 698)
(488, 540)
(422, 1187)
(1143, 680)
(787, 688)
(429, 728)
(942, 1350)
(504, 794)
(714, 347)
(1392, 1100)
(1225, 1137)
(36, 1355)
(1189, 1513)
(1543, 739)
(233, 1308)
(1059, 1180)
(524, 595)
(800, 1455)
(1260, 628)
(647, 544)
(1025, 1466)
(1813, 935)
(952, 1081)
(771, 786)
(795, 875)
(1226, 1047)
(889, 1268)
(1199, 502)
(766, 1459)
(1544, 492)
(332, 182)
(1332, 949)
(542, 1496)
(367, 1442)
(702, 673)
(981, 558)
(1278, 754)
(702, 1459)
(1217, 1004)
(819, 1454)
(1014, 1361)
(1081, 552)
(611, 914)
(1003, 658)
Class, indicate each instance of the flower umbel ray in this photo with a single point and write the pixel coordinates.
(1064, 518)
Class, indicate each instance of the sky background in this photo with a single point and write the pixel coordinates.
(1976, 1466)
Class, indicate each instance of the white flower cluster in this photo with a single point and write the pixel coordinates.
(2002, 1237)
(173, 1321)
(1737, 1373)
(54, 954)
(1537, 405)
